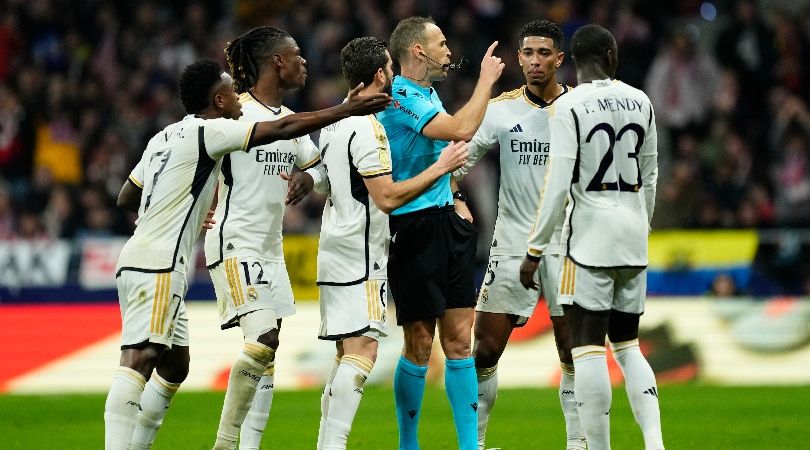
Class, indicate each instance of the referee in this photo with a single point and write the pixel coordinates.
(430, 266)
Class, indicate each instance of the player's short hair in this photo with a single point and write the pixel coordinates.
(543, 28)
(408, 32)
(246, 53)
(591, 42)
(196, 83)
(361, 58)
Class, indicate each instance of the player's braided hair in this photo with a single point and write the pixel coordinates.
(196, 83)
(543, 28)
(245, 54)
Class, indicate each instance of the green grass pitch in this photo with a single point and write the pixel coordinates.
(694, 417)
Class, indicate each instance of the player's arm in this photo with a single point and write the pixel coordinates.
(649, 165)
(462, 125)
(130, 196)
(389, 195)
(299, 124)
(484, 139)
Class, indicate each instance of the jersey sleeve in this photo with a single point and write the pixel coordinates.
(649, 165)
(306, 153)
(137, 175)
(483, 140)
(414, 110)
(223, 136)
(369, 149)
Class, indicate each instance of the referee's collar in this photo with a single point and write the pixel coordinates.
(400, 80)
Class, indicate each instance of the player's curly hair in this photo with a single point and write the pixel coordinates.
(245, 54)
(196, 83)
(408, 32)
(543, 28)
(592, 42)
(361, 58)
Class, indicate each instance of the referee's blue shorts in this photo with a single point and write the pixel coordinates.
(431, 263)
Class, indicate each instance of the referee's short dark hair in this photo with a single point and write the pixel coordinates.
(361, 58)
(543, 28)
(592, 42)
(196, 83)
(408, 32)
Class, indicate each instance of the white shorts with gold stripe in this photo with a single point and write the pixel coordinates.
(244, 285)
(597, 289)
(153, 308)
(501, 291)
(355, 310)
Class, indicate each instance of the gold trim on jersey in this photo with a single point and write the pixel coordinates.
(160, 303)
(135, 181)
(535, 252)
(379, 131)
(248, 136)
(235, 284)
(311, 163)
(245, 97)
(509, 95)
(375, 173)
(569, 276)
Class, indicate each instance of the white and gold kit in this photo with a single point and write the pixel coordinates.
(243, 251)
(178, 173)
(604, 162)
(353, 246)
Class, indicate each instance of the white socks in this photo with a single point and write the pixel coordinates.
(593, 394)
(121, 408)
(256, 420)
(325, 396)
(642, 391)
(346, 393)
(573, 429)
(154, 403)
(245, 375)
(487, 394)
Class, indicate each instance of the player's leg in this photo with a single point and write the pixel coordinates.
(460, 380)
(492, 332)
(409, 379)
(346, 391)
(171, 371)
(250, 436)
(149, 303)
(326, 394)
(261, 341)
(642, 390)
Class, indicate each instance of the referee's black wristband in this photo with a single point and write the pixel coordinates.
(532, 258)
(458, 195)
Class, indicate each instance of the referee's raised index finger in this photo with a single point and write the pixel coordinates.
(491, 49)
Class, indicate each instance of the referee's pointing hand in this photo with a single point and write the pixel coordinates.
(491, 66)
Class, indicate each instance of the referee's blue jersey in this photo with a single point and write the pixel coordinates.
(412, 108)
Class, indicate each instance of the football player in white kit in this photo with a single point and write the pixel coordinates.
(518, 122)
(604, 162)
(175, 180)
(353, 247)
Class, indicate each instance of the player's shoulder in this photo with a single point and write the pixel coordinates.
(630, 90)
(508, 95)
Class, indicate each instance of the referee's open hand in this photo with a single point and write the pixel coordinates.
(491, 66)
(365, 104)
(453, 156)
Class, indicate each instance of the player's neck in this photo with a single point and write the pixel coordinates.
(547, 92)
(269, 93)
(586, 74)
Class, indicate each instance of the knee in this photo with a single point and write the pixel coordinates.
(457, 346)
(486, 353)
(418, 347)
(142, 360)
(269, 339)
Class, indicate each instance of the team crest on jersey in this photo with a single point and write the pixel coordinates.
(385, 159)
(252, 294)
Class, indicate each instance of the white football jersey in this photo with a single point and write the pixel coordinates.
(520, 126)
(178, 173)
(354, 238)
(604, 160)
(251, 195)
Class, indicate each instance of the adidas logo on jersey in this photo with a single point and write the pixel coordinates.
(230, 246)
(652, 391)
(376, 266)
(516, 129)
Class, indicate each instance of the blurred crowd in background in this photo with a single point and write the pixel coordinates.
(85, 84)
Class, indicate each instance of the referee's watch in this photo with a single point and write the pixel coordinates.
(458, 195)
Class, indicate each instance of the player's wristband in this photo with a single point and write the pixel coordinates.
(458, 195)
(532, 258)
(315, 174)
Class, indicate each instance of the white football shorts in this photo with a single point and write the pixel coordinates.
(153, 308)
(244, 285)
(501, 291)
(603, 289)
(355, 310)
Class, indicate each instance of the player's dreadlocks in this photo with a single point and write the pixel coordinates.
(245, 53)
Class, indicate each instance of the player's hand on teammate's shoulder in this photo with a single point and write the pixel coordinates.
(360, 104)
(453, 156)
(299, 184)
(491, 66)
(527, 270)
